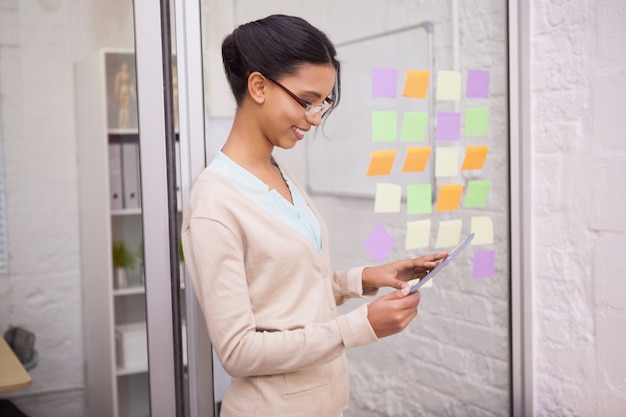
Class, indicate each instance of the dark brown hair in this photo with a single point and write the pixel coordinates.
(275, 45)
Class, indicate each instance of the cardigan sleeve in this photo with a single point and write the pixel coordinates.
(349, 284)
(215, 258)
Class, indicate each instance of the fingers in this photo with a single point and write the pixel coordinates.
(393, 312)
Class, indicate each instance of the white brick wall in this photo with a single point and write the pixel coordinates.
(579, 201)
(39, 43)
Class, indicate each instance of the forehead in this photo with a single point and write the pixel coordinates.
(318, 78)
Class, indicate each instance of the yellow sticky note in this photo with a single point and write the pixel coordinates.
(416, 159)
(446, 161)
(449, 85)
(428, 284)
(449, 197)
(474, 157)
(388, 198)
(416, 84)
(482, 227)
(417, 234)
(381, 162)
(449, 234)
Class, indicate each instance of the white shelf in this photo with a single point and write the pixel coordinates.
(123, 131)
(130, 371)
(130, 291)
(126, 212)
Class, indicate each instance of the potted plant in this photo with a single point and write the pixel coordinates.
(123, 260)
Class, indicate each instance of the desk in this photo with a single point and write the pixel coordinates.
(12, 373)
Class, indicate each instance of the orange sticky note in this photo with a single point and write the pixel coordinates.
(474, 157)
(381, 162)
(449, 197)
(416, 84)
(416, 159)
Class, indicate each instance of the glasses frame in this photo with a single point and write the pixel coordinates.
(309, 109)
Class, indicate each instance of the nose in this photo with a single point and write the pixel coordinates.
(315, 118)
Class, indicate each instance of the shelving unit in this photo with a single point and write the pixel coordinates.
(107, 216)
(114, 316)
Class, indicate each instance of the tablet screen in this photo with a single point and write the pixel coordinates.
(416, 284)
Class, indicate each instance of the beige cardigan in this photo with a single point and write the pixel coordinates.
(270, 303)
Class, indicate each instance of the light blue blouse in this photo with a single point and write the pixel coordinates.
(299, 215)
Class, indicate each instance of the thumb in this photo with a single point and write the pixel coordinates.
(402, 291)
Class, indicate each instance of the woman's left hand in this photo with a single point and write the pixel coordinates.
(395, 274)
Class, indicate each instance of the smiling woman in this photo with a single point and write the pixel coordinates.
(257, 249)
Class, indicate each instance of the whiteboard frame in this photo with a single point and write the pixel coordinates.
(428, 26)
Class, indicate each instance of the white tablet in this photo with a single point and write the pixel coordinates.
(417, 283)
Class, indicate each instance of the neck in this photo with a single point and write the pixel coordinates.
(247, 146)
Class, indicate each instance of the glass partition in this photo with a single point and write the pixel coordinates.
(428, 83)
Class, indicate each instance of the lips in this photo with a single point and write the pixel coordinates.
(299, 132)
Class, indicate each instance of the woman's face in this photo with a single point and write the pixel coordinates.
(286, 121)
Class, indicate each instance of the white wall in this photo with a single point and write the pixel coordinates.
(39, 43)
(579, 206)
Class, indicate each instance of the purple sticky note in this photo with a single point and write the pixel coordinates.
(384, 82)
(484, 264)
(379, 243)
(477, 84)
(448, 126)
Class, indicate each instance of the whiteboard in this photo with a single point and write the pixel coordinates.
(338, 155)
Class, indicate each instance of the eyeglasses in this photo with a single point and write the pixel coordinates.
(309, 109)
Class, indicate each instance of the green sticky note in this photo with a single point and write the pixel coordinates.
(384, 126)
(419, 199)
(476, 121)
(477, 193)
(414, 126)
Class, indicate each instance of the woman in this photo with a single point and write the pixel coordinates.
(257, 249)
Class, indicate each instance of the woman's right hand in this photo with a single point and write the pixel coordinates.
(391, 313)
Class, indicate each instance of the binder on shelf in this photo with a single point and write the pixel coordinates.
(115, 174)
(131, 346)
(130, 175)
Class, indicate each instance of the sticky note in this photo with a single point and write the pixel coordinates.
(384, 126)
(476, 193)
(484, 264)
(414, 126)
(388, 198)
(381, 162)
(448, 126)
(384, 82)
(477, 84)
(419, 199)
(474, 157)
(416, 84)
(449, 197)
(416, 159)
(482, 227)
(448, 85)
(449, 233)
(476, 121)
(379, 243)
(446, 161)
(417, 234)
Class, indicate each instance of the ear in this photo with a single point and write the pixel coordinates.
(256, 87)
